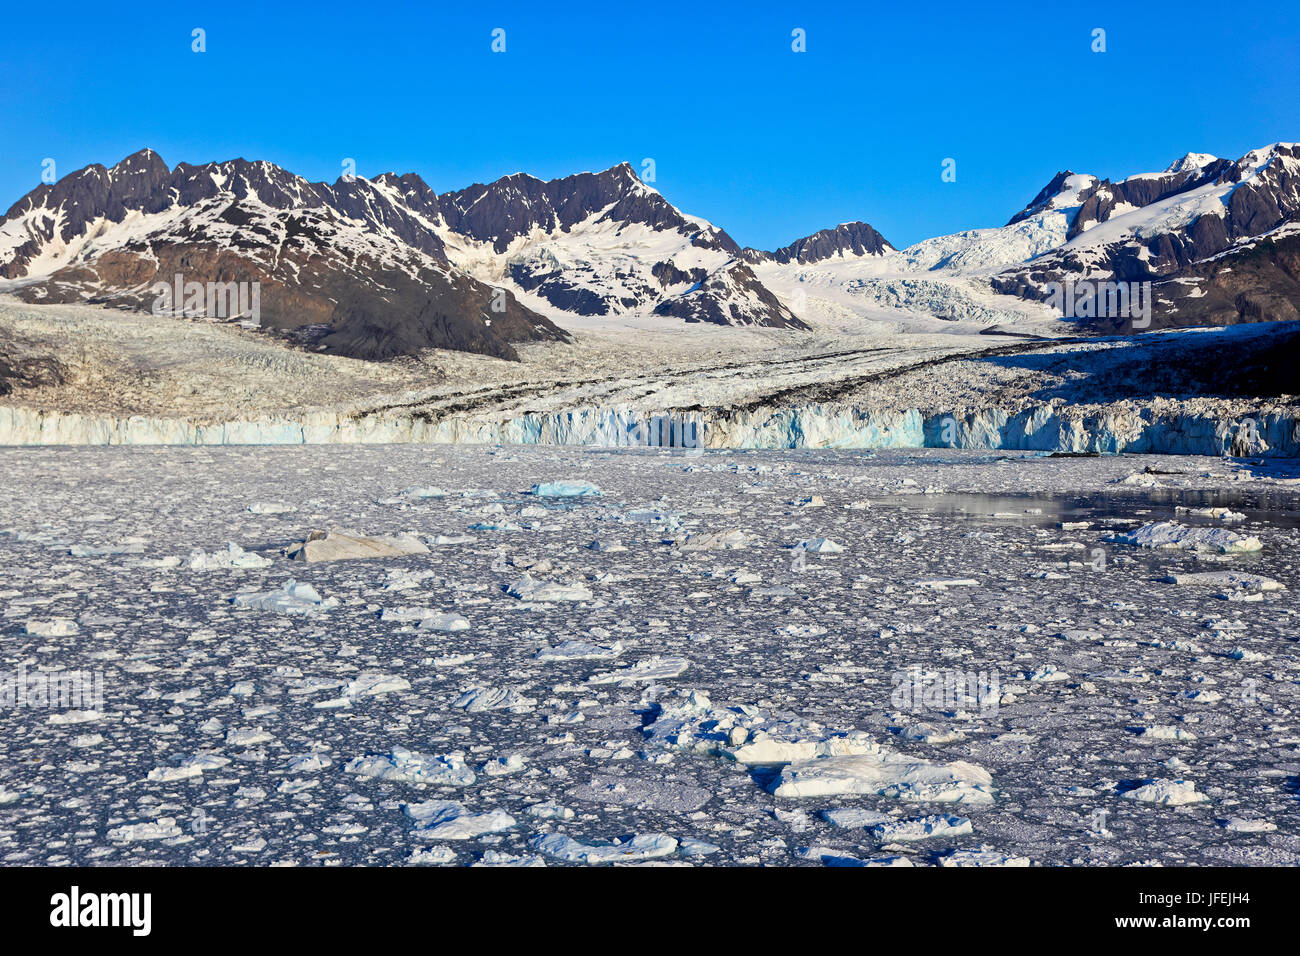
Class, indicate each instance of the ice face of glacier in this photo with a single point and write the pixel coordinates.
(1104, 429)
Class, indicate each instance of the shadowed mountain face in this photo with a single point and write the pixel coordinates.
(363, 267)
(846, 239)
(1216, 238)
(355, 268)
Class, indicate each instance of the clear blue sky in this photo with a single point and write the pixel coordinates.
(769, 144)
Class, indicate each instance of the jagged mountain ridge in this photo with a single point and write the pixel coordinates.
(1218, 239)
(386, 266)
(343, 268)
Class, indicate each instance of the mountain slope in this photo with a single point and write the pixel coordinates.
(1186, 230)
(356, 268)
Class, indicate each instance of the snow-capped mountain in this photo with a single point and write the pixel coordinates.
(381, 267)
(356, 268)
(1219, 239)
(604, 244)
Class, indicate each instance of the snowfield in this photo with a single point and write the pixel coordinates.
(783, 657)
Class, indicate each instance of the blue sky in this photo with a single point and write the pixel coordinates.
(767, 143)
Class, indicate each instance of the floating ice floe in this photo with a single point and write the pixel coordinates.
(689, 721)
(188, 767)
(404, 579)
(984, 856)
(372, 685)
(923, 828)
(427, 492)
(270, 508)
(56, 627)
(448, 623)
(650, 669)
(565, 489)
(1170, 793)
(232, 557)
(830, 856)
(294, 598)
(449, 820)
(942, 584)
(529, 589)
(819, 546)
(91, 551)
(1223, 514)
(853, 818)
(406, 766)
(1047, 674)
(164, 828)
(550, 811)
(1171, 534)
(1163, 732)
(731, 539)
(1232, 580)
(887, 774)
(1241, 825)
(405, 615)
(646, 846)
(579, 651)
(339, 546)
(504, 766)
(478, 699)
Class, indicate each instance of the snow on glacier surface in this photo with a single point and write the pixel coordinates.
(989, 667)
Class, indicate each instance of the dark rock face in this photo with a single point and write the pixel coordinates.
(731, 296)
(28, 371)
(1206, 252)
(849, 238)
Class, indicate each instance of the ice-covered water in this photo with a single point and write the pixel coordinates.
(983, 674)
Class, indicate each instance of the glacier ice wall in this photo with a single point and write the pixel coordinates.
(1105, 428)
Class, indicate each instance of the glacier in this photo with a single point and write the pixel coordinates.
(1105, 429)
